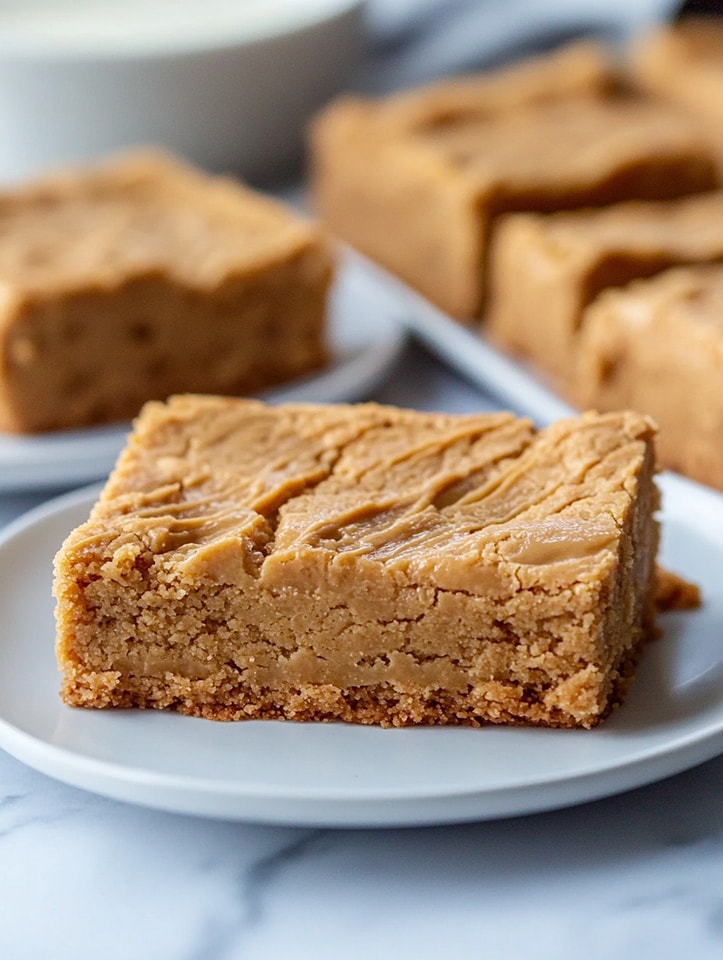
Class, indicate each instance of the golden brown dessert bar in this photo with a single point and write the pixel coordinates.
(364, 564)
(683, 63)
(657, 346)
(143, 277)
(415, 180)
(544, 270)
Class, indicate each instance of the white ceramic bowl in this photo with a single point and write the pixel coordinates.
(229, 84)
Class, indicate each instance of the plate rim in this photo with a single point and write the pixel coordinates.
(236, 799)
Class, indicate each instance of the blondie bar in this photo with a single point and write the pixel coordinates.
(143, 277)
(365, 564)
(545, 270)
(657, 346)
(416, 180)
(683, 64)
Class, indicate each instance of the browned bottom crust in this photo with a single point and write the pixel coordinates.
(381, 705)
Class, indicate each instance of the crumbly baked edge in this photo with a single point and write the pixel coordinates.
(381, 705)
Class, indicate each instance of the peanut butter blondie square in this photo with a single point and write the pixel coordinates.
(683, 64)
(657, 345)
(364, 564)
(143, 277)
(545, 270)
(416, 180)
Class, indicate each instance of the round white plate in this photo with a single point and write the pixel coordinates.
(365, 337)
(343, 775)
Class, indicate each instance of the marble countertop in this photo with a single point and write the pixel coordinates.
(635, 876)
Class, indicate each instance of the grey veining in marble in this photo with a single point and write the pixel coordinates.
(640, 875)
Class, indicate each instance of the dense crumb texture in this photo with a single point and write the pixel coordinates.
(142, 278)
(365, 564)
(565, 260)
(441, 163)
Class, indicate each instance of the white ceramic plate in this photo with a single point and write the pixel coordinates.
(365, 338)
(341, 775)
(509, 381)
